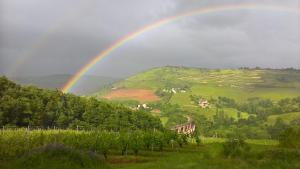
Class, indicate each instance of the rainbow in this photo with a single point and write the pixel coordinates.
(205, 10)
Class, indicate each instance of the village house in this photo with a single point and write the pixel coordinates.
(174, 90)
(187, 128)
(142, 106)
(203, 103)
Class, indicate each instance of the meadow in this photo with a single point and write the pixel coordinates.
(287, 117)
(239, 84)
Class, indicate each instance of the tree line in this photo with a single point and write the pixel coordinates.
(23, 106)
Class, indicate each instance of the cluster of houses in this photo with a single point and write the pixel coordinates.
(144, 106)
(140, 106)
(174, 90)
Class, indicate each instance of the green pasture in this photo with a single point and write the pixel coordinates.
(232, 83)
(287, 118)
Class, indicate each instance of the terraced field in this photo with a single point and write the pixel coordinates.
(235, 83)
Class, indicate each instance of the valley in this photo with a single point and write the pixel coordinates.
(167, 117)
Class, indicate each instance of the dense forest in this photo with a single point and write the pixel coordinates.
(30, 106)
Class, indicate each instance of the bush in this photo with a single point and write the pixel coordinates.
(290, 138)
(58, 156)
(235, 146)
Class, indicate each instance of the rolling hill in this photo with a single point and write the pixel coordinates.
(286, 117)
(177, 85)
(238, 84)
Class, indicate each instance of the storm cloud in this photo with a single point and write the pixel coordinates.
(60, 36)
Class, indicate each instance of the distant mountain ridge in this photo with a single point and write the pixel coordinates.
(89, 84)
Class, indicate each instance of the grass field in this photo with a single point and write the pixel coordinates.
(233, 83)
(287, 118)
(206, 156)
(273, 84)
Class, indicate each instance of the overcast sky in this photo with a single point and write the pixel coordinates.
(42, 37)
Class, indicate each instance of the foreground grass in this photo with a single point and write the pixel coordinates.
(210, 157)
(206, 156)
(55, 156)
(266, 142)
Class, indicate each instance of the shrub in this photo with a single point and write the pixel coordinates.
(235, 146)
(290, 138)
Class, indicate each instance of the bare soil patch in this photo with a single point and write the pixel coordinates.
(135, 94)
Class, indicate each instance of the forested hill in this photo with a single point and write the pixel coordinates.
(30, 106)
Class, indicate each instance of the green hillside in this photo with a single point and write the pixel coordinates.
(286, 118)
(234, 95)
(239, 84)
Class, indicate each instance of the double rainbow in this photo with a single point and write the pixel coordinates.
(205, 10)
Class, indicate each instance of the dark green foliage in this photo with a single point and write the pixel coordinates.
(103, 142)
(254, 126)
(265, 107)
(58, 156)
(278, 128)
(195, 99)
(226, 102)
(30, 106)
(124, 141)
(235, 146)
(18, 142)
(136, 142)
(290, 137)
(172, 111)
(196, 136)
(182, 139)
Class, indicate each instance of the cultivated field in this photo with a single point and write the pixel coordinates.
(141, 95)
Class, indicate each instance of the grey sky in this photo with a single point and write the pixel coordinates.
(60, 36)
